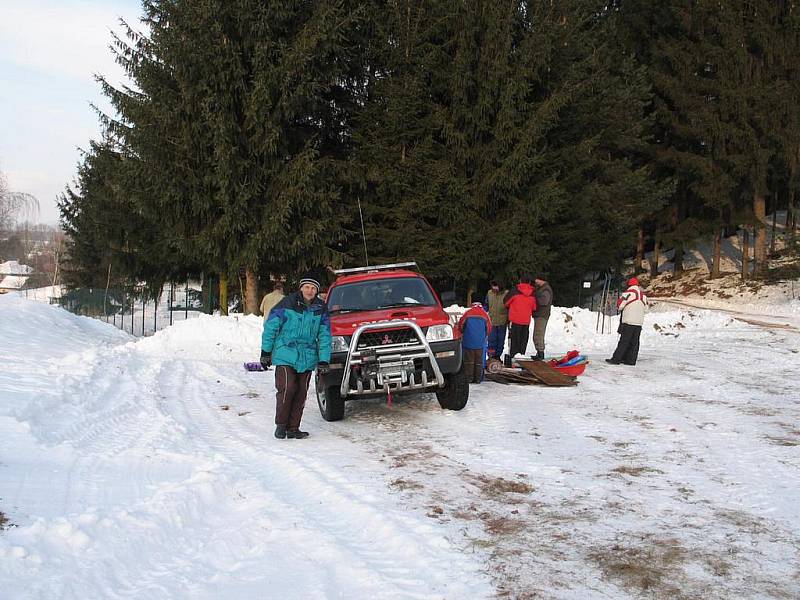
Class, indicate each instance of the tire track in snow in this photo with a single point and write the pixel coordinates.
(397, 550)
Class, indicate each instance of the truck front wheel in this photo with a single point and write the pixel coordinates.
(455, 393)
(330, 401)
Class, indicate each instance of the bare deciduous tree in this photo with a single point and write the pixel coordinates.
(15, 205)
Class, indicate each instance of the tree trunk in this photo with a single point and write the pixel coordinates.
(774, 225)
(656, 256)
(639, 251)
(251, 293)
(677, 260)
(760, 235)
(223, 293)
(745, 253)
(717, 252)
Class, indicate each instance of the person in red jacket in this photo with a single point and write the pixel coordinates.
(521, 304)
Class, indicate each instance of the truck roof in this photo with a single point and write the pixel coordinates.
(357, 277)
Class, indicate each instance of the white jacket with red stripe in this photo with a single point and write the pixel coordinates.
(632, 303)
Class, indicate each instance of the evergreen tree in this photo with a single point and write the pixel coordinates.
(496, 139)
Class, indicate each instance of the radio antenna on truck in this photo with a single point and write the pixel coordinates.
(363, 233)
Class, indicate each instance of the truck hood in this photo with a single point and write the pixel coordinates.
(424, 316)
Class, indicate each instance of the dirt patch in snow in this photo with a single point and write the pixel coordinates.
(634, 471)
(497, 487)
(653, 567)
(4, 523)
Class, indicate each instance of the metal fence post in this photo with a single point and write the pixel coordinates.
(170, 300)
(186, 301)
(143, 312)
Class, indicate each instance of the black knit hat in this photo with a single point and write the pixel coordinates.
(308, 278)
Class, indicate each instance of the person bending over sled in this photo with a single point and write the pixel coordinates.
(474, 326)
(296, 339)
(632, 303)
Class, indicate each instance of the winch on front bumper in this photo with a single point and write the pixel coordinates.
(392, 357)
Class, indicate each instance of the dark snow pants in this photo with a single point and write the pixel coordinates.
(539, 328)
(497, 340)
(628, 347)
(473, 365)
(291, 398)
(519, 339)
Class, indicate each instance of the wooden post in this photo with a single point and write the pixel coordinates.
(745, 253)
(759, 235)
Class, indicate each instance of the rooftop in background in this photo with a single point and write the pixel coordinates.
(12, 267)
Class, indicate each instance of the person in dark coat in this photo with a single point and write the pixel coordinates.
(544, 300)
(474, 326)
(632, 304)
(296, 339)
(521, 304)
(498, 313)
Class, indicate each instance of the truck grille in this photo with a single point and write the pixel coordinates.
(372, 339)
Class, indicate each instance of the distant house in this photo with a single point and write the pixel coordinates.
(13, 275)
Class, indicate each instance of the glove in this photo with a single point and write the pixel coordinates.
(323, 367)
(266, 359)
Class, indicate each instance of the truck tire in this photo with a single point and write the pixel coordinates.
(330, 401)
(455, 393)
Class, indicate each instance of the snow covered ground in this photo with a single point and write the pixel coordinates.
(146, 468)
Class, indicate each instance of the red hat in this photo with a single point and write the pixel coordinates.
(633, 281)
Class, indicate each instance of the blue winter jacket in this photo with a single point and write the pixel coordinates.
(298, 335)
(474, 333)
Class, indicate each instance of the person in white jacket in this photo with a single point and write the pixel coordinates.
(632, 304)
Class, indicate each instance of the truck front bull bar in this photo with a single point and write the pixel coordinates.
(388, 356)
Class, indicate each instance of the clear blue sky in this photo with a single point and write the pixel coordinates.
(49, 52)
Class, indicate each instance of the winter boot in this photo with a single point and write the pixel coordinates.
(280, 432)
(611, 361)
(539, 356)
(296, 435)
(507, 361)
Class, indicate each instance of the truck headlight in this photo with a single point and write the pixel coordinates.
(339, 343)
(439, 333)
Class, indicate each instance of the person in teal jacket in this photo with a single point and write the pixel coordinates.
(297, 340)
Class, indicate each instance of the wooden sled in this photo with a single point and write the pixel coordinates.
(547, 374)
(539, 374)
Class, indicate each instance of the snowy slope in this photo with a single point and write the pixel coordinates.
(146, 469)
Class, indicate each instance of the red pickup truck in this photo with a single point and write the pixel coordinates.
(390, 336)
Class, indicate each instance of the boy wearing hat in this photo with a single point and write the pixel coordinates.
(632, 304)
(296, 339)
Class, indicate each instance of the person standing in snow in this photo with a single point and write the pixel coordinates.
(474, 326)
(544, 300)
(271, 300)
(498, 313)
(521, 304)
(297, 340)
(632, 304)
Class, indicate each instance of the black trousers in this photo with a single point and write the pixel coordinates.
(628, 347)
(519, 339)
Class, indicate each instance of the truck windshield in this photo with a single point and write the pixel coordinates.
(380, 293)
